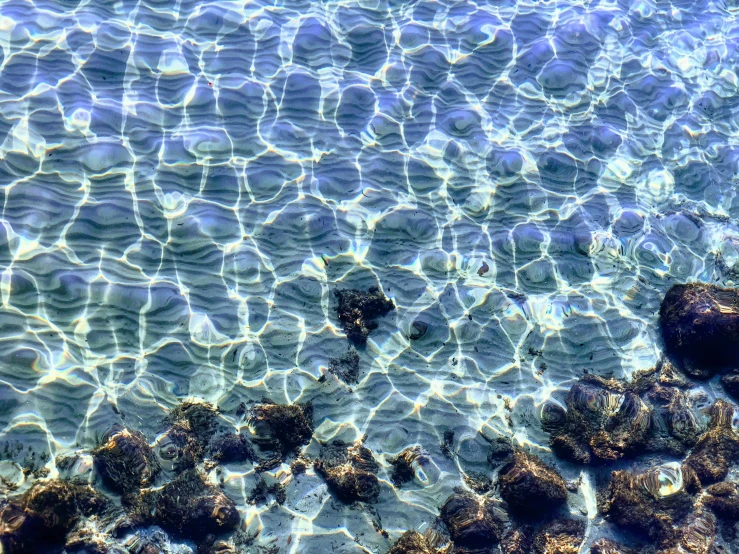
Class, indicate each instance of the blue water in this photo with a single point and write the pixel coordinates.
(186, 183)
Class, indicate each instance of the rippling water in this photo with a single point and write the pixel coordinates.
(186, 183)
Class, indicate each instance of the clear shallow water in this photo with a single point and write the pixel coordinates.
(185, 184)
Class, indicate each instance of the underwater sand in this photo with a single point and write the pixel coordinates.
(186, 184)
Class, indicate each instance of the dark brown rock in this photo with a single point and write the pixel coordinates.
(604, 546)
(283, 427)
(652, 504)
(191, 508)
(403, 470)
(349, 471)
(43, 516)
(530, 487)
(474, 523)
(358, 311)
(700, 328)
(723, 499)
(561, 536)
(231, 447)
(412, 542)
(125, 460)
(718, 448)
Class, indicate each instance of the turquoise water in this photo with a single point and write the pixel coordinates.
(186, 184)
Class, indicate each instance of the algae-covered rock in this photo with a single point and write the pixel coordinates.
(412, 542)
(474, 523)
(561, 536)
(530, 487)
(652, 504)
(282, 427)
(43, 516)
(192, 508)
(125, 460)
(718, 448)
(700, 328)
(358, 311)
(349, 470)
(723, 499)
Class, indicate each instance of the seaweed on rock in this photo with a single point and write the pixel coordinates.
(358, 311)
(45, 514)
(349, 470)
(605, 546)
(653, 503)
(125, 461)
(700, 328)
(604, 422)
(718, 448)
(189, 507)
(607, 420)
(412, 542)
(723, 499)
(475, 523)
(561, 536)
(403, 465)
(282, 427)
(530, 487)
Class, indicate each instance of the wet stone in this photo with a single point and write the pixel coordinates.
(282, 427)
(474, 523)
(605, 546)
(700, 328)
(723, 499)
(125, 461)
(403, 465)
(501, 450)
(358, 311)
(652, 504)
(43, 516)
(349, 471)
(530, 487)
(192, 508)
(192, 426)
(412, 542)
(561, 536)
(517, 541)
(231, 448)
(346, 367)
(718, 448)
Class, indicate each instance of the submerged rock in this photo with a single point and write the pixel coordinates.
(405, 465)
(607, 419)
(700, 327)
(230, 448)
(718, 448)
(651, 504)
(561, 536)
(604, 546)
(530, 487)
(125, 461)
(282, 427)
(358, 310)
(697, 535)
(43, 516)
(723, 499)
(346, 367)
(349, 470)
(474, 523)
(517, 541)
(412, 542)
(604, 422)
(192, 426)
(191, 508)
